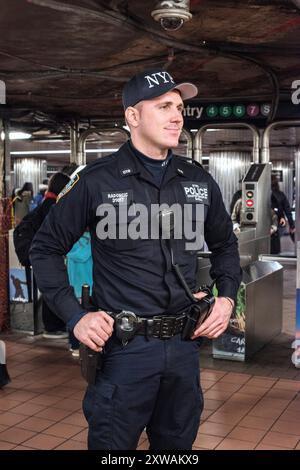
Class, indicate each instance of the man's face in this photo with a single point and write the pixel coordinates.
(160, 121)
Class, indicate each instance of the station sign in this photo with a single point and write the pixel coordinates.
(196, 111)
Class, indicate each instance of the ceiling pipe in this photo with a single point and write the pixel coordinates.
(199, 137)
(189, 139)
(265, 152)
(81, 156)
(123, 21)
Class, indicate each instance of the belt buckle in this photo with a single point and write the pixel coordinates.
(126, 325)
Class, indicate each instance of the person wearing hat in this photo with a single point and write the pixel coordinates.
(147, 374)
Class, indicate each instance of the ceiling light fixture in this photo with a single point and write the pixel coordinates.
(16, 135)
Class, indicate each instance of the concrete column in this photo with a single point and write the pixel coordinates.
(74, 136)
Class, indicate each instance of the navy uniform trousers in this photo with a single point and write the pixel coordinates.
(150, 383)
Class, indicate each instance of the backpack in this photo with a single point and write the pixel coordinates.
(25, 232)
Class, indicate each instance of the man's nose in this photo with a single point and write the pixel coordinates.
(177, 115)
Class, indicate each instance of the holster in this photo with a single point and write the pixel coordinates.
(90, 361)
(197, 314)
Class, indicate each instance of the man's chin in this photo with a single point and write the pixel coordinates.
(173, 143)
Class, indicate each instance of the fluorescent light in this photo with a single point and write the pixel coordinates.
(52, 152)
(16, 135)
(101, 150)
(38, 152)
(193, 130)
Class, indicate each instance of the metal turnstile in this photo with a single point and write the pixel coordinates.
(258, 315)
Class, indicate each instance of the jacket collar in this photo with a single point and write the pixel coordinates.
(129, 164)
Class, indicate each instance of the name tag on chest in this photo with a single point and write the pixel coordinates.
(124, 196)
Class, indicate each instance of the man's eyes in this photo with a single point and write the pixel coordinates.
(168, 106)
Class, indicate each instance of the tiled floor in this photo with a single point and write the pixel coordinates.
(255, 405)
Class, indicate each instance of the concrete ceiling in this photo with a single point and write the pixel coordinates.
(64, 59)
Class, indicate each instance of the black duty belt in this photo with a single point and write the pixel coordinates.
(162, 327)
(127, 324)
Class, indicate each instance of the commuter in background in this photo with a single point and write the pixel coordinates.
(54, 327)
(236, 220)
(236, 214)
(38, 198)
(21, 202)
(237, 195)
(282, 208)
(4, 377)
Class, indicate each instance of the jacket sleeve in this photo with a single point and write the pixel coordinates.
(64, 225)
(223, 244)
(288, 211)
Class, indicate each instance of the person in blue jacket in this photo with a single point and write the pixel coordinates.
(149, 377)
(80, 272)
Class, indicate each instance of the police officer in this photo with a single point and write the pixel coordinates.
(150, 379)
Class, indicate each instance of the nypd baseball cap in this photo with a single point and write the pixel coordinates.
(149, 85)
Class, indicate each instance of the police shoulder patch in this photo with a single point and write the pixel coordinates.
(68, 187)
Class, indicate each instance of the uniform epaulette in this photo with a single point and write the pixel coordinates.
(95, 164)
(190, 161)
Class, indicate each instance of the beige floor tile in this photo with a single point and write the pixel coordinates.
(281, 440)
(247, 434)
(16, 435)
(215, 429)
(44, 442)
(256, 422)
(235, 444)
(205, 441)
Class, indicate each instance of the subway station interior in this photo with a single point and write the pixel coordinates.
(63, 65)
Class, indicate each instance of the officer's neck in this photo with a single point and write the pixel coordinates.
(149, 150)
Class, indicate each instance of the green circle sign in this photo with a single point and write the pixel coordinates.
(212, 110)
(239, 110)
(225, 110)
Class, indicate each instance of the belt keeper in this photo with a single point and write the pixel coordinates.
(149, 328)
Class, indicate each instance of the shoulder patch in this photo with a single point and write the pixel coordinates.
(68, 187)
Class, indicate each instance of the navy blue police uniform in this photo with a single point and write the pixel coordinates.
(150, 382)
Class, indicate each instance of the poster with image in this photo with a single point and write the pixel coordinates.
(18, 290)
(231, 344)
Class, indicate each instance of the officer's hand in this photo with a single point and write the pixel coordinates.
(94, 329)
(217, 321)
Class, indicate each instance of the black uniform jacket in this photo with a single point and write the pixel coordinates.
(129, 274)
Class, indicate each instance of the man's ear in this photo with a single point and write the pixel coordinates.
(132, 116)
